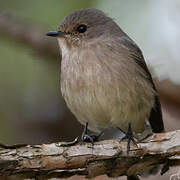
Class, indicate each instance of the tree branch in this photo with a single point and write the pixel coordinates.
(104, 157)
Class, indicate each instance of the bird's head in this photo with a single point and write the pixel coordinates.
(83, 26)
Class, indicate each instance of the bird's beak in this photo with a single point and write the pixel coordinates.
(56, 33)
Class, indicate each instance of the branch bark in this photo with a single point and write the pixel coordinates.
(104, 157)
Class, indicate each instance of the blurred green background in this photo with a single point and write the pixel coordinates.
(31, 107)
(30, 100)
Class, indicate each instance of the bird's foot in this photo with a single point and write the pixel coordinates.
(88, 137)
(129, 136)
(84, 138)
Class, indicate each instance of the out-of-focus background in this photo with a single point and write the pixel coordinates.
(31, 107)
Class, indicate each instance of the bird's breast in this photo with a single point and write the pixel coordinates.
(95, 94)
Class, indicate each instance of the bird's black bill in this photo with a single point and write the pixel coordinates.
(55, 33)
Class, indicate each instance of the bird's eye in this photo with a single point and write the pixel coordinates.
(82, 28)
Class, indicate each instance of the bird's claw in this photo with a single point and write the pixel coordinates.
(88, 138)
(129, 136)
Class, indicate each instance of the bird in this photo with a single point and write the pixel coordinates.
(104, 78)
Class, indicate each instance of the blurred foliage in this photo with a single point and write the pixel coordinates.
(30, 89)
(43, 11)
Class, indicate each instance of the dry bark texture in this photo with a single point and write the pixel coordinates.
(104, 157)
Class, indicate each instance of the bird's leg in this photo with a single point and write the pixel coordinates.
(129, 136)
(84, 138)
(89, 138)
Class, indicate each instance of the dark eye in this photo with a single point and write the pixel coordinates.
(82, 28)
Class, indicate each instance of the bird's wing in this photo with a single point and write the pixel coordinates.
(155, 118)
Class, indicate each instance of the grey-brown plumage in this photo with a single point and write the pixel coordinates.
(104, 78)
